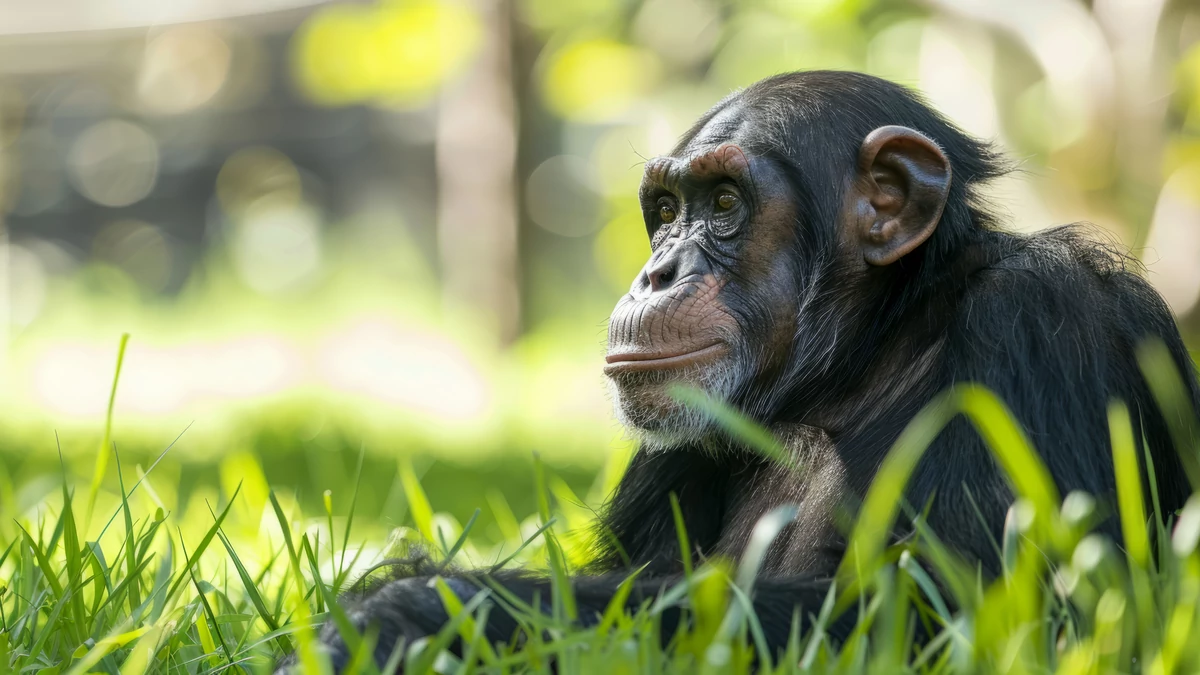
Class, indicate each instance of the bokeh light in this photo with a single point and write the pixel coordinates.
(1173, 247)
(682, 32)
(548, 16)
(596, 80)
(138, 248)
(416, 370)
(26, 283)
(277, 245)
(622, 249)
(404, 222)
(73, 379)
(894, 52)
(394, 51)
(114, 163)
(182, 69)
(254, 173)
(560, 196)
(955, 67)
(12, 114)
(761, 44)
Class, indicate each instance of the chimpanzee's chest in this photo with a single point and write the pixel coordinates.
(811, 544)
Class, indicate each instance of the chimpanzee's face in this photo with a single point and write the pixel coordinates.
(738, 298)
(716, 303)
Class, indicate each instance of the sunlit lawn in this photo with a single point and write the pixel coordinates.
(92, 582)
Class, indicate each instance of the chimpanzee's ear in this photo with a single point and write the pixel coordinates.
(902, 181)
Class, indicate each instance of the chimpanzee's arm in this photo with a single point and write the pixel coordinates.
(409, 609)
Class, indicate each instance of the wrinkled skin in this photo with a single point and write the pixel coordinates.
(730, 301)
(680, 323)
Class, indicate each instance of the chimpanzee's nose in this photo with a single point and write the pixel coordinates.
(670, 265)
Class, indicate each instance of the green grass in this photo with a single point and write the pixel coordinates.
(124, 583)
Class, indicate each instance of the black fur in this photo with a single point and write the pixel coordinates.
(1049, 322)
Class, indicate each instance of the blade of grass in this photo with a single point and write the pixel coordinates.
(524, 544)
(734, 423)
(817, 633)
(1003, 437)
(293, 565)
(1171, 394)
(914, 570)
(48, 630)
(119, 590)
(467, 628)
(616, 606)
(137, 483)
(118, 637)
(43, 562)
(458, 544)
(1131, 507)
(672, 596)
(563, 595)
(424, 662)
(502, 513)
(765, 531)
(101, 466)
(685, 547)
(742, 600)
(142, 651)
(347, 630)
(134, 589)
(418, 501)
(1130, 501)
(252, 591)
(887, 489)
(1011, 447)
(955, 573)
(191, 560)
(73, 556)
(209, 615)
(309, 551)
(393, 663)
(1186, 536)
(362, 659)
(1160, 529)
(362, 453)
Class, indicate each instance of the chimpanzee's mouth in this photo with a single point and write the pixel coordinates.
(636, 362)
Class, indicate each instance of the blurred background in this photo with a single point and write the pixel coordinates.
(399, 226)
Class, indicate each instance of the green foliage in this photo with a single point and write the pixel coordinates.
(152, 594)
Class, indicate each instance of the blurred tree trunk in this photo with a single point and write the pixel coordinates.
(5, 301)
(476, 166)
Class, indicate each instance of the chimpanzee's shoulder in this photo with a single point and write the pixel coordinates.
(1077, 264)
(1063, 286)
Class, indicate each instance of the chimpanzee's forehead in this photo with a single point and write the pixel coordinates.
(723, 127)
(712, 151)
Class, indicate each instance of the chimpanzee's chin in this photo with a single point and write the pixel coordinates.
(646, 403)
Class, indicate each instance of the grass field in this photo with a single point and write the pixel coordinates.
(232, 579)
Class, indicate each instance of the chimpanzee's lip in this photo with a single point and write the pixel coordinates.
(634, 362)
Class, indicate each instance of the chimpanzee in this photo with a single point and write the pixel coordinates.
(823, 260)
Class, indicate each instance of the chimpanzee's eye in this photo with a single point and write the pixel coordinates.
(667, 212)
(726, 201)
(726, 219)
